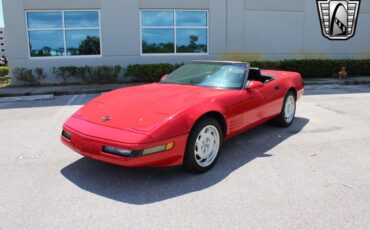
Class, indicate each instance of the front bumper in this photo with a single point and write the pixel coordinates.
(92, 147)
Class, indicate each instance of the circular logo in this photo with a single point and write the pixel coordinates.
(106, 118)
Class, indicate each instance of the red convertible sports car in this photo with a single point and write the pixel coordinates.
(183, 119)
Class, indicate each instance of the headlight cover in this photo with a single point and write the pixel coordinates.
(117, 151)
(136, 153)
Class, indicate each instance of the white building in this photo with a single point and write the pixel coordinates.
(56, 33)
(2, 42)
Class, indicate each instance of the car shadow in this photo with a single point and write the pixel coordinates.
(149, 185)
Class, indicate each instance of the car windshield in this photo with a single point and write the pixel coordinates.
(214, 75)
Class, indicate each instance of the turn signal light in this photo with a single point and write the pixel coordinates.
(157, 149)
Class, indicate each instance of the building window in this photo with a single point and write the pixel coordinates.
(174, 32)
(2, 50)
(63, 33)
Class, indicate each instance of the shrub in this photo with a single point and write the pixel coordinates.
(4, 71)
(29, 76)
(4, 75)
(316, 68)
(100, 74)
(88, 74)
(39, 72)
(150, 72)
(66, 73)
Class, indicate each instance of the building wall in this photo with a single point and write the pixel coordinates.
(238, 30)
(2, 42)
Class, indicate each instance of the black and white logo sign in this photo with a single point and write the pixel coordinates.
(338, 18)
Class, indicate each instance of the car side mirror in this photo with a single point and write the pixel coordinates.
(164, 77)
(255, 85)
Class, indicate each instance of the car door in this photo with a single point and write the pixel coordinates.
(253, 102)
(262, 103)
(272, 93)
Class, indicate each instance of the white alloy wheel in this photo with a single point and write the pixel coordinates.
(289, 109)
(207, 146)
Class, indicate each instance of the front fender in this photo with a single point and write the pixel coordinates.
(182, 122)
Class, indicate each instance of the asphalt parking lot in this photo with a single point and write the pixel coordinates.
(313, 175)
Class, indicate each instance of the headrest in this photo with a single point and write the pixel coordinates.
(254, 73)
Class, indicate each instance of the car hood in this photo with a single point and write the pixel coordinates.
(144, 108)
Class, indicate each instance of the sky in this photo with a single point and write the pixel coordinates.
(1, 14)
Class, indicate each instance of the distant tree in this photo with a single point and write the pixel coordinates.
(91, 45)
(73, 51)
(158, 47)
(44, 51)
(193, 42)
(192, 46)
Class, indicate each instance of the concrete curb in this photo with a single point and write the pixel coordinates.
(26, 98)
(337, 82)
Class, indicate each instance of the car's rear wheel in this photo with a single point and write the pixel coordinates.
(204, 143)
(287, 115)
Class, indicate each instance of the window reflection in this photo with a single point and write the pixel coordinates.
(44, 20)
(191, 18)
(157, 18)
(79, 35)
(82, 42)
(158, 40)
(46, 43)
(191, 41)
(80, 19)
(161, 34)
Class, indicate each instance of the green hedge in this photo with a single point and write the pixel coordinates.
(316, 68)
(309, 68)
(88, 74)
(150, 72)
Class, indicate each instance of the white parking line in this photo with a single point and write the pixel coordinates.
(70, 101)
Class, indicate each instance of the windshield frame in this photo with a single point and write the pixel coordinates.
(245, 65)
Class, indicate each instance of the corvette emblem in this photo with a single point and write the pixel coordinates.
(106, 118)
(338, 18)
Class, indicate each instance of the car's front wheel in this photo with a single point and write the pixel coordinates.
(204, 143)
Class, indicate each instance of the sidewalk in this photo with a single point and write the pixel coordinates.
(89, 89)
(60, 90)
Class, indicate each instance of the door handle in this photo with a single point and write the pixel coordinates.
(277, 87)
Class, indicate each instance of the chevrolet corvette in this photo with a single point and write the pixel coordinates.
(184, 118)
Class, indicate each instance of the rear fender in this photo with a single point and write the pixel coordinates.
(293, 80)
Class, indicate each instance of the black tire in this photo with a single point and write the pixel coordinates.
(281, 120)
(190, 162)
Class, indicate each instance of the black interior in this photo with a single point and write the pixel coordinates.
(255, 75)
